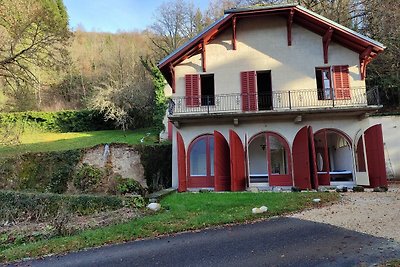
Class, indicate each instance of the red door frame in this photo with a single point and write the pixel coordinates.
(181, 156)
(222, 171)
(313, 159)
(375, 155)
(206, 181)
(238, 162)
(277, 179)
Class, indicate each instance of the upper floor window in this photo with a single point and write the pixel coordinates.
(333, 82)
(200, 90)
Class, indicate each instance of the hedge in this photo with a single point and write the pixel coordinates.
(62, 121)
(17, 206)
(39, 172)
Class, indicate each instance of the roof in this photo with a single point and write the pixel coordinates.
(302, 16)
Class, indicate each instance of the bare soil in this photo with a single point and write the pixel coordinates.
(374, 213)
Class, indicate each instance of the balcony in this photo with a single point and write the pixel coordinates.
(290, 101)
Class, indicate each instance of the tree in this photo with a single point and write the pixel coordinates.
(34, 35)
(176, 22)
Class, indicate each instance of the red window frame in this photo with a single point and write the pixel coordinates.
(275, 179)
(198, 180)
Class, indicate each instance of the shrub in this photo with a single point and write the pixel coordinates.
(21, 206)
(129, 186)
(62, 121)
(87, 178)
(156, 161)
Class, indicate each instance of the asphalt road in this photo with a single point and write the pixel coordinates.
(275, 242)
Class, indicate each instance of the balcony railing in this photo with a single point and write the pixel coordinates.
(277, 101)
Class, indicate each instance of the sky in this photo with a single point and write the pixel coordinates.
(115, 15)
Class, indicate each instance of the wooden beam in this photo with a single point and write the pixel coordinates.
(234, 33)
(365, 59)
(172, 73)
(203, 55)
(289, 27)
(326, 39)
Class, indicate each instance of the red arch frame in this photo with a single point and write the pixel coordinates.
(325, 179)
(277, 179)
(208, 179)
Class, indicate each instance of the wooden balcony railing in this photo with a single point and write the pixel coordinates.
(277, 100)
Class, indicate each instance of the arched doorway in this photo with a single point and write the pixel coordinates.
(201, 162)
(334, 157)
(269, 160)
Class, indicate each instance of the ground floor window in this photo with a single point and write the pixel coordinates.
(201, 162)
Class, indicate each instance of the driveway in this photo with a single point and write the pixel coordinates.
(276, 242)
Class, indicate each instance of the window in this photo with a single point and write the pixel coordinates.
(323, 76)
(333, 82)
(202, 156)
(207, 90)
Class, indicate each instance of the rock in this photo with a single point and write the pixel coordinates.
(316, 200)
(154, 206)
(380, 189)
(253, 189)
(341, 188)
(263, 208)
(358, 188)
(256, 210)
(295, 189)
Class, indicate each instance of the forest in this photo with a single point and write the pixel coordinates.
(46, 66)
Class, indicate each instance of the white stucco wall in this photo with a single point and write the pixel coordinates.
(391, 139)
(262, 45)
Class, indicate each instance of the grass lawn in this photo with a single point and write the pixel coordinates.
(181, 212)
(43, 142)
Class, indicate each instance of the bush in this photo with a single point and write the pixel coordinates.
(129, 186)
(156, 161)
(87, 178)
(42, 172)
(21, 206)
(62, 121)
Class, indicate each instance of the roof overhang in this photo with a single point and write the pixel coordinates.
(365, 46)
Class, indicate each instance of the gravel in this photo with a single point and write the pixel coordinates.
(374, 213)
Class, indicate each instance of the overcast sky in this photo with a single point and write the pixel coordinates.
(114, 15)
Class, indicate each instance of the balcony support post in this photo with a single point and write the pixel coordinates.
(290, 101)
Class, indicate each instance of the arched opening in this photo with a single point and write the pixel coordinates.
(201, 162)
(269, 160)
(334, 157)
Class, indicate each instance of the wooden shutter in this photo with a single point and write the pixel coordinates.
(237, 158)
(248, 90)
(301, 160)
(313, 159)
(341, 82)
(222, 170)
(181, 163)
(192, 84)
(375, 156)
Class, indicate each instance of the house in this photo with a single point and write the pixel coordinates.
(274, 97)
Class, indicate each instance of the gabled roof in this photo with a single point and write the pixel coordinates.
(300, 15)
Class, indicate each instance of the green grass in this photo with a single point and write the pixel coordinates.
(44, 142)
(182, 212)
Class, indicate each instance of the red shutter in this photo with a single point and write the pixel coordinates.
(341, 82)
(301, 160)
(375, 156)
(170, 130)
(181, 163)
(222, 170)
(248, 90)
(192, 84)
(313, 159)
(238, 175)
